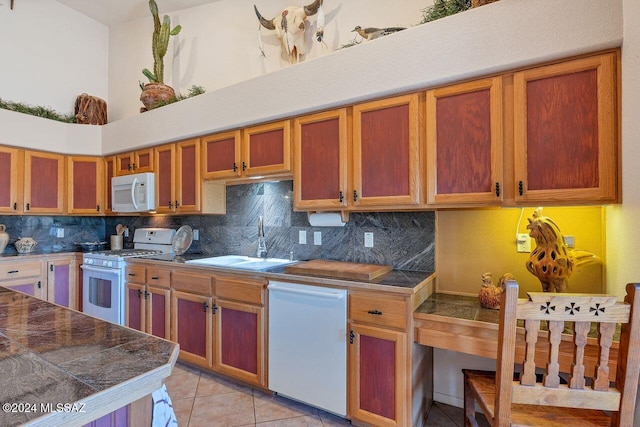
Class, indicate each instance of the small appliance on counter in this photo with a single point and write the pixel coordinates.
(103, 276)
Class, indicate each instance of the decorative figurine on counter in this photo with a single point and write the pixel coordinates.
(489, 295)
(551, 261)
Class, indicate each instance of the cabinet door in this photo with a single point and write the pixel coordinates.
(158, 304)
(61, 283)
(165, 182)
(11, 163)
(378, 376)
(464, 143)
(192, 326)
(320, 164)
(266, 149)
(240, 341)
(386, 152)
(565, 136)
(188, 182)
(85, 177)
(124, 163)
(43, 182)
(135, 307)
(221, 155)
(143, 160)
(33, 286)
(109, 172)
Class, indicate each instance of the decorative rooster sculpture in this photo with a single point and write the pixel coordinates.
(551, 261)
(489, 295)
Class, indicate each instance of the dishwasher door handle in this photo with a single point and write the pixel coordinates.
(328, 295)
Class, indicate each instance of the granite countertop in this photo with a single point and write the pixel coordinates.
(53, 355)
(402, 281)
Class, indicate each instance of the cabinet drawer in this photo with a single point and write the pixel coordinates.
(380, 311)
(15, 270)
(193, 283)
(134, 273)
(158, 277)
(240, 290)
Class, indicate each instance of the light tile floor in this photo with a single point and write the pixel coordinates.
(204, 399)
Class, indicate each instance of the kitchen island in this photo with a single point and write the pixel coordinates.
(63, 368)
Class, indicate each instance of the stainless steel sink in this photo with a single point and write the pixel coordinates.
(241, 262)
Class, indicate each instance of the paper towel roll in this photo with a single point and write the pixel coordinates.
(326, 219)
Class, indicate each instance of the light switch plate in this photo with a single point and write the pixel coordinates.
(368, 240)
(196, 234)
(317, 238)
(60, 232)
(302, 237)
(523, 242)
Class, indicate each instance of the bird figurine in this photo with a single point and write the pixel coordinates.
(489, 295)
(551, 261)
(371, 33)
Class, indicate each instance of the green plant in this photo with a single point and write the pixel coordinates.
(442, 8)
(159, 43)
(39, 111)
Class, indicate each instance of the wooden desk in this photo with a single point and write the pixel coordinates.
(459, 323)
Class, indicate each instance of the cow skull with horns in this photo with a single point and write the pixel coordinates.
(290, 25)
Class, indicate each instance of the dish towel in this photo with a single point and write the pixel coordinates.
(163, 415)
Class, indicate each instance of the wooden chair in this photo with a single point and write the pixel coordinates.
(581, 402)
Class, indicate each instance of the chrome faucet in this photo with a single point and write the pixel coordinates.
(262, 245)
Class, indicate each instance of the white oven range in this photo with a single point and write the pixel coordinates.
(103, 273)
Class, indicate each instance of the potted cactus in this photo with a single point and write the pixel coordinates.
(156, 92)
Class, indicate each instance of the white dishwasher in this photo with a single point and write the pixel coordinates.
(308, 344)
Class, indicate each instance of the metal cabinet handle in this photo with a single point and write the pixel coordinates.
(520, 188)
(98, 208)
(139, 293)
(15, 206)
(244, 166)
(177, 204)
(235, 167)
(155, 278)
(355, 196)
(205, 306)
(214, 308)
(351, 337)
(170, 205)
(51, 267)
(146, 295)
(39, 284)
(497, 189)
(375, 312)
(132, 274)
(28, 206)
(341, 197)
(13, 271)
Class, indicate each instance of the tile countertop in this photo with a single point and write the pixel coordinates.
(468, 308)
(397, 281)
(53, 355)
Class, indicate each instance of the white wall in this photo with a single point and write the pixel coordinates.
(51, 54)
(218, 44)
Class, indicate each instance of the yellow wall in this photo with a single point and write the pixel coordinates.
(471, 242)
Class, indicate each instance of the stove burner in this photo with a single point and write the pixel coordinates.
(123, 253)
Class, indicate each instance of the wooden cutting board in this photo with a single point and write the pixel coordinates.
(338, 269)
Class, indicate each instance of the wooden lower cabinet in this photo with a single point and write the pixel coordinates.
(61, 283)
(24, 276)
(31, 286)
(378, 375)
(192, 326)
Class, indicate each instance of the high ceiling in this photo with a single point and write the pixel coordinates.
(111, 12)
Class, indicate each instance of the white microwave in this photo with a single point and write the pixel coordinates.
(133, 193)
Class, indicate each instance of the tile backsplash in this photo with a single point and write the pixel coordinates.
(405, 240)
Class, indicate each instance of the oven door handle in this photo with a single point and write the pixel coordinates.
(100, 269)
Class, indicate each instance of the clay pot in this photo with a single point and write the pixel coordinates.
(154, 93)
(4, 237)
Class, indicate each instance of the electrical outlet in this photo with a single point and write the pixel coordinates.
(196, 234)
(523, 242)
(302, 237)
(126, 232)
(60, 232)
(317, 238)
(368, 240)
(570, 241)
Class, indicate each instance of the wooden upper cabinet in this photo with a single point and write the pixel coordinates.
(565, 133)
(138, 161)
(178, 182)
(320, 162)
(11, 175)
(85, 193)
(386, 152)
(188, 178)
(165, 182)
(43, 182)
(465, 143)
(221, 155)
(266, 149)
(109, 172)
